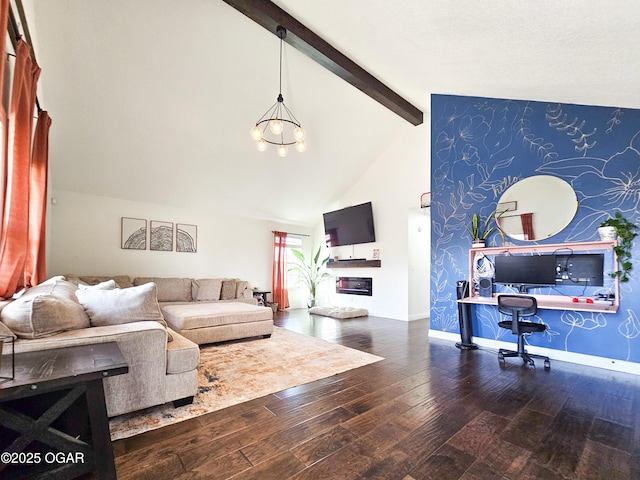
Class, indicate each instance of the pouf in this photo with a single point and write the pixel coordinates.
(339, 312)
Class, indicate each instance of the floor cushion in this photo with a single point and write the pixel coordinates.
(339, 312)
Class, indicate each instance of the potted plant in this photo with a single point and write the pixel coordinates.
(479, 230)
(311, 274)
(625, 232)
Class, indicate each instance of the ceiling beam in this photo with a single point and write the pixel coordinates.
(300, 37)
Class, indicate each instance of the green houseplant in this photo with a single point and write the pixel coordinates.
(626, 231)
(479, 229)
(312, 273)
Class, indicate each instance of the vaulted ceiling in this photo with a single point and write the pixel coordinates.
(152, 100)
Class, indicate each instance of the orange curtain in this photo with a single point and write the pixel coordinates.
(35, 268)
(4, 21)
(279, 273)
(527, 226)
(15, 216)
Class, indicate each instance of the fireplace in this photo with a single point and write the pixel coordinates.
(354, 285)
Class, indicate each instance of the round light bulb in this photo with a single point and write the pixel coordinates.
(261, 145)
(256, 133)
(276, 127)
(301, 146)
(282, 150)
(299, 133)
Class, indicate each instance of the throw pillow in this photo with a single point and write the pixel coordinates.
(44, 310)
(228, 290)
(206, 289)
(108, 285)
(241, 285)
(121, 305)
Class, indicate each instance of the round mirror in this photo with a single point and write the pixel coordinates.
(536, 208)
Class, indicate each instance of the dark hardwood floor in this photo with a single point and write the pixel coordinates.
(427, 411)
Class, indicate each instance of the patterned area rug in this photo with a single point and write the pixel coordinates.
(235, 372)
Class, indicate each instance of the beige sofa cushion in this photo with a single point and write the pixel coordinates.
(169, 289)
(206, 289)
(122, 281)
(6, 331)
(49, 308)
(203, 315)
(121, 305)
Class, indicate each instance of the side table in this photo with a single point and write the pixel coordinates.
(51, 386)
(261, 296)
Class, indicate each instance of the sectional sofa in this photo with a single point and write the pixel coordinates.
(75, 310)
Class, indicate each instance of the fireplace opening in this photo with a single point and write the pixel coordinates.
(354, 285)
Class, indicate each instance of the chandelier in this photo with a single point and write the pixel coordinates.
(278, 126)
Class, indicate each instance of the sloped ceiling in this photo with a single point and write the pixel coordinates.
(152, 100)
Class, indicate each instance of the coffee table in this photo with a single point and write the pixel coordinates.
(53, 391)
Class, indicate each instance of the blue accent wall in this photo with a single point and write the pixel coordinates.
(482, 146)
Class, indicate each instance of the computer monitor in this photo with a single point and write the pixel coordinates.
(580, 269)
(525, 271)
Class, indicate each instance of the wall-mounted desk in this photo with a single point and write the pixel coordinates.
(551, 302)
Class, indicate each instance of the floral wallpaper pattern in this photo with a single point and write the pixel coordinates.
(482, 146)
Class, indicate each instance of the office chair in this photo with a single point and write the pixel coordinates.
(518, 306)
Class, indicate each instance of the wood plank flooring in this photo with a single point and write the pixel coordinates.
(428, 411)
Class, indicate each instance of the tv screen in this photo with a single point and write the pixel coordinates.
(525, 270)
(349, 226)
(582, 269)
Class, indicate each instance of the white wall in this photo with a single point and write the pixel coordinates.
(85, 239)
(393, 184)
(419, 233)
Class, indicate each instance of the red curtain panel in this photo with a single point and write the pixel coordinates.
(15, 216)
(35, 268)
(279, 274)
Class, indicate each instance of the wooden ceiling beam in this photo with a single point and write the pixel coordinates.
(269, 15)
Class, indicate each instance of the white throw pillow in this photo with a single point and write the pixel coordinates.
(121, 305)
(107, 285)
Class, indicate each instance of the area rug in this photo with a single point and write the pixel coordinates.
(236, 372)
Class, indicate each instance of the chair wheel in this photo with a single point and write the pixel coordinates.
(500, 357)
(547, 365)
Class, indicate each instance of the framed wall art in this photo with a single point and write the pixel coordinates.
(133, 234)
(186, 238)
(161, 236)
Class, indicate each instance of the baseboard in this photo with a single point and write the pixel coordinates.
(577, 358)
(419, 316)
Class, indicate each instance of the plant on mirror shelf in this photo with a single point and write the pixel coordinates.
(479, 229)
(625, 232)
(311, 274)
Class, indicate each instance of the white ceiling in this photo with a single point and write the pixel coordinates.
(152, 100)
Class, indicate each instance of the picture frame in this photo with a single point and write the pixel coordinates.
(133, 234)
(160, 236)
(186, 238)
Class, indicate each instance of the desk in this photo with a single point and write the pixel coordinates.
(51, 387)
(548, 302)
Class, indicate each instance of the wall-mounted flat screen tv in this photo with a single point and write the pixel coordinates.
(349, 226)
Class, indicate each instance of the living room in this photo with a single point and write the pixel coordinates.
(184, 85)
